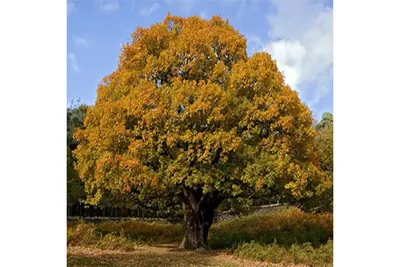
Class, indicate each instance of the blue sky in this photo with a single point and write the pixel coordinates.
(297, 33)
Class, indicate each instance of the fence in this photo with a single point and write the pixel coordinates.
(97, 214)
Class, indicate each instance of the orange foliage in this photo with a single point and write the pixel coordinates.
(186, 105)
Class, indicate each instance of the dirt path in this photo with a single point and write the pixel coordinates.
(158, 255)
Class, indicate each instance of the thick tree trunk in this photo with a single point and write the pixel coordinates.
(199, 217)
(196, 231)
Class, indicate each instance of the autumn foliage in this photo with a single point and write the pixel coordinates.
(188, 117)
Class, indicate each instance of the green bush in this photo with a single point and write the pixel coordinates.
(296, 254)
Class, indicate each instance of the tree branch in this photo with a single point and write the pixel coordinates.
(217, 156)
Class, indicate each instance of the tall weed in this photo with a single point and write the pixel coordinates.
(86, 235)
(286, 227)
(295, 254)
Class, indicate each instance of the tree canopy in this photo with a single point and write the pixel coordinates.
(189, 117)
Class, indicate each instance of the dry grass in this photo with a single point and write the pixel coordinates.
(286, 227)
(284, 238)
(304, 254)
(85, 234)
(161, 255)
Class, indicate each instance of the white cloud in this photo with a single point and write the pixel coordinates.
(147, 11)
(107, 6)
(290, 56)
(82, 41)
(73, 61)
(203, 14)
(301, 40)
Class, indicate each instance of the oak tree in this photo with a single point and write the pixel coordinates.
(188, 117)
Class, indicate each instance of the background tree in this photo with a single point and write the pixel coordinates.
(324, 144)
(75, 190)
(189, 118)
(322, 201)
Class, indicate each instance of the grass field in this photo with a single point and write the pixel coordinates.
(159, 255)
(285, 238)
